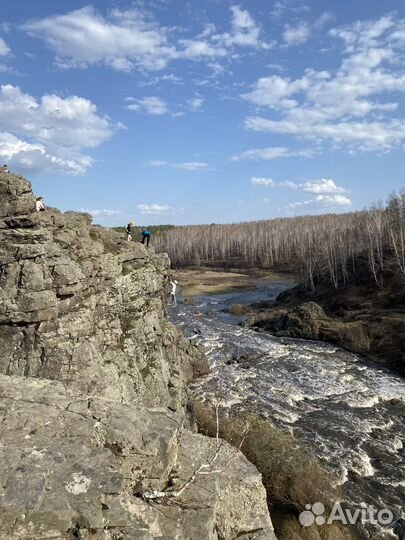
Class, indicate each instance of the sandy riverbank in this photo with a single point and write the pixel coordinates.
(202, 281)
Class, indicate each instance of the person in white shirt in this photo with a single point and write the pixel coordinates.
(173, 300)
(40, 206)
(5, 169)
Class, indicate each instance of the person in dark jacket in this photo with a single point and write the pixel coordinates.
(146, 237)
(128, 228)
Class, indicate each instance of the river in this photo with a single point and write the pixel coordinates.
(347, 410)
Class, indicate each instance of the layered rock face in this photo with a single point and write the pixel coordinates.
(81, 305)
(93, 396)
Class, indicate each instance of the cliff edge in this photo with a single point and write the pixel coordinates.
(93, 395)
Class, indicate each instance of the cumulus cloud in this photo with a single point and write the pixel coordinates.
(128, 39)
(26, 157)
(272, 152)
(320, 187)
(352, 107)
(4, 48)
(49, 133)
(258, 181)
(322, 202)
(73, 121)
(150, 105)
(156, 210)
(121, 41)
(187, 166)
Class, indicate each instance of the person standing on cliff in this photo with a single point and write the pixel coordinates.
(128, 228)
(39, 204)
(146, 237)
(5, 169)
(173, 300)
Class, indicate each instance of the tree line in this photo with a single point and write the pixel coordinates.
(319, 247)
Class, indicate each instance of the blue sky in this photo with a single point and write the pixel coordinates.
(164, 111)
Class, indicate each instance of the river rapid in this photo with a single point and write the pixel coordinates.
(347, 410)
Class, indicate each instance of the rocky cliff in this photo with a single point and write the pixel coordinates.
(93, 400)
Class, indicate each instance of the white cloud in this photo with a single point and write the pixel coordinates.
(303, 30)
(156, 210)
(103, 212)
(122, 41)
(322, 186)
(194, 49)
(286, 7)
(351, 107)
(295, 35)
(4, 48)
(71, 121)
(288, 184)
(257, 181)
(150, 105)
(187, 166)
(275, 92)
(322, 202)
(194, 104)
(129, 39)
(245, 31)
(49, 133)
(23, 156)
(272, 152)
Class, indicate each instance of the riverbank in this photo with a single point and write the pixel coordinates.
(360, 316)
(208, 281)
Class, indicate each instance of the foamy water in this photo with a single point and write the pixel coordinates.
(345, 409)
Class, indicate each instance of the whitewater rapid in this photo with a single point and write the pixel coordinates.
(345, 409)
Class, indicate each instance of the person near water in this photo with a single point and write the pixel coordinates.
(4, 169)
(39, 204)
(173, 300)
(128, 228)
(146, 237)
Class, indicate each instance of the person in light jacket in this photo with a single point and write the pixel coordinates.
(173, 300)
(39, 204)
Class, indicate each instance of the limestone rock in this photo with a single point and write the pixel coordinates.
(80, 467)
(82, 305)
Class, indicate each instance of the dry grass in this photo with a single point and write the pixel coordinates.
(292, 477)
(289, 528)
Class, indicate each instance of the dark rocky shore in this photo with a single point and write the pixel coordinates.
(359, 316)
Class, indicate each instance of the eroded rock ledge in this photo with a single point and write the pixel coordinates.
(93, 397)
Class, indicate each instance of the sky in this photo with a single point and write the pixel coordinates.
(204, 111)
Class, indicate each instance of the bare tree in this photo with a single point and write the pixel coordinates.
(320, 247)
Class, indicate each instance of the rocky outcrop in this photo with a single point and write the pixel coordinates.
(309, 321)
(93, 400)
(81, 305)
(78, 467)
(378, 332)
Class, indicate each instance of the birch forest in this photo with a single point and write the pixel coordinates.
(318, 247)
